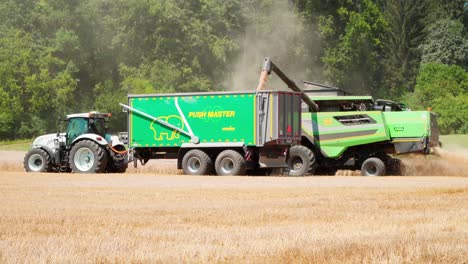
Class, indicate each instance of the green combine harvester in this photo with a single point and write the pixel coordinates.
(356, 132)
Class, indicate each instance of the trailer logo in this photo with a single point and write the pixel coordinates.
(163, 132)
(211, 113)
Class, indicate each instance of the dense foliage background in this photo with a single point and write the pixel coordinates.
(65, 56)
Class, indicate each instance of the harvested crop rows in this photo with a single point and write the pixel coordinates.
(142, 216)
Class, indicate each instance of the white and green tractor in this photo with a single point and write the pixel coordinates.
(85, 147)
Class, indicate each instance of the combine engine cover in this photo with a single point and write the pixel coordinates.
(413, 131)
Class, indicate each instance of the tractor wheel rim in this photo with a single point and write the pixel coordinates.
(194, 164)
(84, 159)
(297, 164)
(35, 162)
(227, 165)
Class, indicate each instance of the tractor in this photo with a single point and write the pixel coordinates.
(85, 147)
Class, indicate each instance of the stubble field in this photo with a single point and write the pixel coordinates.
(144, 217)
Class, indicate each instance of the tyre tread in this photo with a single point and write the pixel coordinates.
(306, 154)
(379, 164)
(238, 159)
(206, 165)
(101, 156)
(47, 160)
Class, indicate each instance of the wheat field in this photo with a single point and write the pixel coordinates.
(146, 218)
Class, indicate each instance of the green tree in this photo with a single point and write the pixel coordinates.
(34, 83)
(444, 88)
(407, 20)
(353, 61)
(446, 43)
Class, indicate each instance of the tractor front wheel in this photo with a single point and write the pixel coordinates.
(37, 160)
(87, 156)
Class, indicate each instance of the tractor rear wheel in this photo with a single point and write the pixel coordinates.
(37, 160)
(197, 162)
(301, 161)
(373, 167)
(230, 163)
(119, 161)
(87, 156)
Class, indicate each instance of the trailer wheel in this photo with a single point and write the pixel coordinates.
(301, 161)
(87, 156)
(197, 162)
(373, 167)
(230, 163)
(37, 160)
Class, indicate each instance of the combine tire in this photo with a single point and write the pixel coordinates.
(396, 167)
(37, 160)
(301, 161)
(197, 162)
(87, 156)
(373, 167)
(230, 163)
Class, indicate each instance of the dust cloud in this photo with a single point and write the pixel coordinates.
(276, 30)
(443, 162)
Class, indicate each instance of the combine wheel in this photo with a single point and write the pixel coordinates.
(373, 167)
(301, 161)
(37, 160)
(230, 163)
(197, 162)
(87, 156)
(396, 167)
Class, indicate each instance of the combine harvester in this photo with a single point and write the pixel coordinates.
(237, 133)
(354, 132)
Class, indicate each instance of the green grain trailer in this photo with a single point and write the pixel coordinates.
(227, 133)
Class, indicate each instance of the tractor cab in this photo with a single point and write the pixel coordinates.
(86, 123)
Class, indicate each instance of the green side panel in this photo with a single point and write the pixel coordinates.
(333, 136)
(408, 124)
(211, 117)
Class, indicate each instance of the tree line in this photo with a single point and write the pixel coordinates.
(66, 56)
